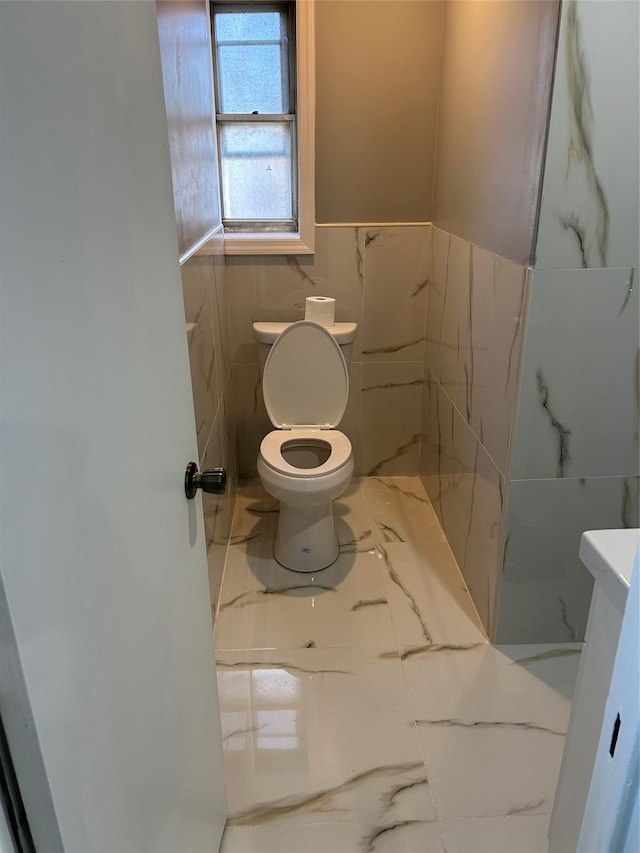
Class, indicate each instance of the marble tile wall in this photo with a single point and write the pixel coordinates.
(575, 459)
(378, 276)
(545, 589)
(589, 210)
(207, 323)
(575, 462)
(475, 308)
(578, 408)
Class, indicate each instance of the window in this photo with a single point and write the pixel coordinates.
(264, 107)
(255, 95)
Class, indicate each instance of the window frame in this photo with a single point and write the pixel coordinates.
(300, 241)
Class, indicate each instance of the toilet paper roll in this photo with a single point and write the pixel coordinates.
(320, 309)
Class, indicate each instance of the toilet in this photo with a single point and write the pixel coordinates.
(305, 462)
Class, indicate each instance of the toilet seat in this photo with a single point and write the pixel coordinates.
(272, 444)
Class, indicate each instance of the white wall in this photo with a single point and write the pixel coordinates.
(378, 69)
(496, 79)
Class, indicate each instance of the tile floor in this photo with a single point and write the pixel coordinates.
(363, 708)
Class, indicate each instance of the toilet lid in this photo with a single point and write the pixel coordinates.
(305, 381)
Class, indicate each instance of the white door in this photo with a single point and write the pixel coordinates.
(107, 673)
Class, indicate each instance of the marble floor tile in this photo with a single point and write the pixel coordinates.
(481, 685)
(493, 769)
(555, 665)
(353, 527)
(515, 834)
(256, 514)
(263, 605)
(400, 510)
(429, 601)
(401, 837)
(301, 733)
(363, 708)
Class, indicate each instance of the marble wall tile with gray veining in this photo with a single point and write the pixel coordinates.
(274, 288)
(396, 263)
(218, 511)
(436, 291)
(230, 441)
(391, 408)
(589, 210)
(198, 287)
(546, 590)
(471, 506)
(221, 328)
(205, 399)
(436, 456)
(492, 358)
(578, 414)
(463, 286)
(455, 317)
(457, 500)
(479, 561)
(474, 322)
(466, 490)
(475, 309)
(252, 421)
(197, 283)
(447, 309)
(351, 421)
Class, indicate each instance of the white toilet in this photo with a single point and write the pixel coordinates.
(305, 463)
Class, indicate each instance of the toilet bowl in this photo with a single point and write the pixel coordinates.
(305, 463)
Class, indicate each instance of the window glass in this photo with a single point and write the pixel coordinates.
(252, 62)
(256, 170)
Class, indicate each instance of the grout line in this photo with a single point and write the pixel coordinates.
(467, 424)
(236, 509)
(574, 479)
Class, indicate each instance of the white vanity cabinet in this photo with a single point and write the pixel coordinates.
(577, 819)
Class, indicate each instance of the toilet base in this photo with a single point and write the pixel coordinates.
(306, 540)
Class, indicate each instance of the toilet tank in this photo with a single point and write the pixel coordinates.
(265, 335)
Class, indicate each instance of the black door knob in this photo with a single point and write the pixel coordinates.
(213, 481)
